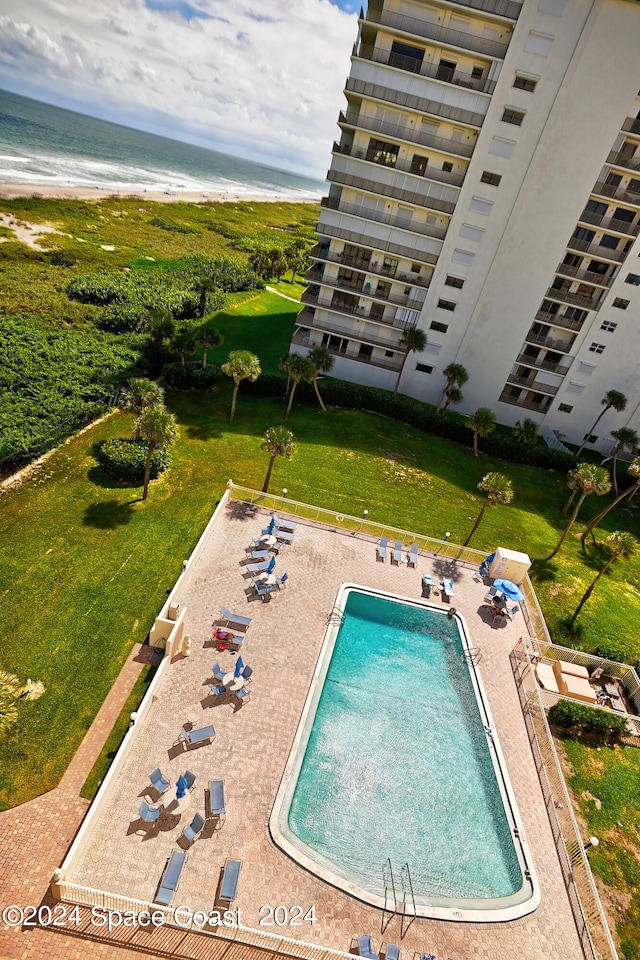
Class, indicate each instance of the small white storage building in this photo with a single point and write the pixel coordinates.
(509, 564)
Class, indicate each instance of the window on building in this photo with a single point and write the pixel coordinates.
(389, 267)
(620, 213)
(491, 178)
(581, 233)
(424, 368)
(418, 164)
(447, 167)
(513, 116)
(594, 206)
(591, 438)
(610, 242)
(596, 348)
(339, 344)
(633, 186)
(415, 268)
(382, 152)
(550, 306)
(446, 70)
(389, 353)
(406, 57)
(365, 350)
(440, 327)
(575, 313)
(454, 282)
(446, 305)
(608, 326)
(620, 303)
(572, 260)
(477, 72)
(524, 83)
(565, 408)
(633, 278)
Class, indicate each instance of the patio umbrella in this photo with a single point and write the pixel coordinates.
(272, 526)
(239, 667)
(272, 565)
(181, 785)
(510, 590)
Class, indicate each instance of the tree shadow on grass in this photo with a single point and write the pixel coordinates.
(204, 431)
(543, 570)
(108, 515)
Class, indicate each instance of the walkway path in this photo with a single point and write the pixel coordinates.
(283, 295)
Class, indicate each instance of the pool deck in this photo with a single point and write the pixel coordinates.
(252, 744)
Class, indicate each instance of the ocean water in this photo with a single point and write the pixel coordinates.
(41, 144)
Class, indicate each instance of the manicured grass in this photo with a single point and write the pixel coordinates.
(606, 785)
(262, 322)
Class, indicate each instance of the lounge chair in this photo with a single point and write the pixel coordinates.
(413, 555)
(218, 672)
(447, 590)
(365, 948)
(259, 554)
(246, 673)
(285, 524)
(229, 885)
(397, 552)
(217, 691)
(198, 736)
(491, 593)
(280, 581)
(242, 694)
(483, 569)
(392, 952)
(159, 782)
(382, 548)
(261, 589)
(149, 814)
(258, 567)
(235, 617)
(190, 778)
(427, 583)
(195, 827)
(284, 536)
(214, 799)
(170, 877)
(511, 611)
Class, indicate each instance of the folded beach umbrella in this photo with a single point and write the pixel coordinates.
(272, 565)
(510, 590)
(272, 526)
(181, 785)
(239, 667)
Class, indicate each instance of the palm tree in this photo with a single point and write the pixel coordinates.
(482, 423)
(11, 690)
(160, 324)
(454, 395)
(208, 339)
(634, 470)
(589, 479)
(456, 376)
(283, 364)
(626, 437)
(622, 544)
(499, 489)
(241, 365)
(184, 342)
(526, 431)
(203, 286)
(278, 442)
(298, 368)
(322, 360)
(141, 395)
(158, 428)
(413, 340)
(612, 398)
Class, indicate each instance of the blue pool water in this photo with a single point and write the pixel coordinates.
(397, 763)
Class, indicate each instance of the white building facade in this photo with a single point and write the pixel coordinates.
(486, 188)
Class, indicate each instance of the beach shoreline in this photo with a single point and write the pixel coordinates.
(14, 191)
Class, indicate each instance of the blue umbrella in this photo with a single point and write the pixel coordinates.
(182, 785)
(272, 526)
(239, 667)
(510, 590)
(272, 565)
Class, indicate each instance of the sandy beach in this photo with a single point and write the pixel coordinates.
(10, 191)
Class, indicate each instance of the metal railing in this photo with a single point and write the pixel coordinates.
(372, 266)
(365, 289)
(418, 198)
(631, 125)
(441, 144)
(610, 223)
(424, 69)
(414, 253)
(433, 31)
(588, 276)
(540, 406)
(364, 213)
(377, 91)
(596, 250)
(621, 158)
(559, 320)
(532, 384)
(501, 8)
(616, 193)
(577, 299)
(553, 367)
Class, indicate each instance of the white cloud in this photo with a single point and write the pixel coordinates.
(261, 78)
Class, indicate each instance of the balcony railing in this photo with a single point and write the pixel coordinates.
(501, 8)
(423, 229)
(631, 125)
(415, 197)
(421, 105)
(349, 333)
(620, 158)
(429, 173)
(576, 299)
(616, 193)
(532, 384)
(372, 266)
(365, 289)
(609, 223)
(587, 275)
(432, 70)
(596, 250)
(527, 404)
(404, 132)
(557, 320)
(384, 246)
(553, 367)
(433, 31)
(551, 343)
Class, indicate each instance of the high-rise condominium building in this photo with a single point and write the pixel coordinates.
(486, 188)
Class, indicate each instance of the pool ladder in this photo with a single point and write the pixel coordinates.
(335, 618)
(407, 904)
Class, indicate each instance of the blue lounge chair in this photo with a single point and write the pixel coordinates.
(285, 524)
(170, 877)
(447, 589)
(190, 778)
(397, 552)
(217, 691)
(198, 736)
(280, 581)
(195, 827)
(491, 593)
(427, 583)
(260, 555)
(218, 672)
(365, 948)
(235, 617)
(229, 885)
(159, 782)
(382, 548)
(214, 799)
(242, 695)
(413, 555)
(392, 952)
(258, 567)
(246, 673)
(149, 814)
(261, 589)
(284, 536)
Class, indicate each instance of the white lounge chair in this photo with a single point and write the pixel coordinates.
(447, 589)
(397, 552)
(382, 548)
(235, 617)
(413, 555)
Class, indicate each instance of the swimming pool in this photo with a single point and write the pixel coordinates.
(395, 769)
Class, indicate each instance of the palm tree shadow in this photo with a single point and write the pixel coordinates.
(205, 431)
(543, 570)
(109, 514)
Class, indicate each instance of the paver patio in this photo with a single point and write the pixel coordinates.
(252, 744)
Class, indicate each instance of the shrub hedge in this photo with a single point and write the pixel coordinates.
(124, 458)
(192, 376)
(567, 714)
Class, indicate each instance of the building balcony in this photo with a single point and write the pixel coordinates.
(422, 229)
(434, 71)
(367, 313)
(366, 289)
(576, 299)
(442, 35)
(584, 275)
(357, 238)
(557, 367)
(622, 194)
(409, 134)
(527, 403)
(532, 384)
(596, 250)
(631, 125)
(305, 319)
(501, 8)
(372, 266)
(381, 189)
(557, 320)
(610, 223)
(552, 343)
(421, 105)
(621, 158)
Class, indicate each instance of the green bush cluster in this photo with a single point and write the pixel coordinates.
(121, 317)
(124, 458)
(567, 714)
(171, 226)
(192, 376)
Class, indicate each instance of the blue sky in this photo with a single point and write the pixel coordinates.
(210, 72)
